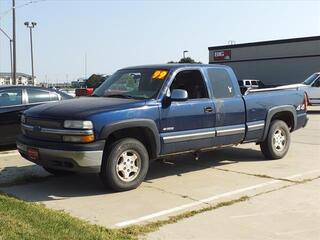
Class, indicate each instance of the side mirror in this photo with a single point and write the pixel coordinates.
(179, 95)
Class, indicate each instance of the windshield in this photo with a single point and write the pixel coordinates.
(311, 79)
(142, 83)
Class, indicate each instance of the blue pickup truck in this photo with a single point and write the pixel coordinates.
(148, 112)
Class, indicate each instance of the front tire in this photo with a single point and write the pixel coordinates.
(125, 164)
(277, 143)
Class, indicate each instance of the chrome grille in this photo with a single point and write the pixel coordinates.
(43, 123)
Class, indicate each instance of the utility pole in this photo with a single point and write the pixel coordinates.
(14, 57)
(85, 66)
(31, 25)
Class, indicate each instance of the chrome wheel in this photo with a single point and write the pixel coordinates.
(128, 165)
(279, 140)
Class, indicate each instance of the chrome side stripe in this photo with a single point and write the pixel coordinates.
(202, 133)
(230, 130)
(189, 135)
(257, 125)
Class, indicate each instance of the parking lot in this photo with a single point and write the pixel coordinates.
(281, 194)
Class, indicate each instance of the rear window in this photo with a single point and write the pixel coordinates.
(221, 83)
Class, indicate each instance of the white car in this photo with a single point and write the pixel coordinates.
(311, 86)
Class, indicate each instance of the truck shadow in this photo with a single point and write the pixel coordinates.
(8, 147)
(79, 185)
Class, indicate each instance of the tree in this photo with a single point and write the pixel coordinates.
(186, 60)
(95, 80)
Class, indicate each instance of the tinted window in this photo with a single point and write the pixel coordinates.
(191, 81)
(37, 95)
(221, 83)
(10, 97)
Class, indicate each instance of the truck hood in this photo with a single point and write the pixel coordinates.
(82, 108)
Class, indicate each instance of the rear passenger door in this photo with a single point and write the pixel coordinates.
(187, 125)
(229, 104)
(38, 96)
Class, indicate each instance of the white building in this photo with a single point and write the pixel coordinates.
(22, 79)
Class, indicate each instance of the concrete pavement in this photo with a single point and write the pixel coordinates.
(181, 184)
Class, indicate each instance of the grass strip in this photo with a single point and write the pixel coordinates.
(29, 221)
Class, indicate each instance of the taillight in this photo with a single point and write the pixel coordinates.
(306, 101)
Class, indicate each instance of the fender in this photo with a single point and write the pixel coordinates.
(145, 123)
(273, 111)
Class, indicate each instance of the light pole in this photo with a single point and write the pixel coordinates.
(10, 39)
(14, 55)
(184, 53)
(31, 25)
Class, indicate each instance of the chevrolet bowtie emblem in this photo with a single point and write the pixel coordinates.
(37, 129)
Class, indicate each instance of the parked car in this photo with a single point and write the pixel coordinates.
(71, 92)
(167, 109)
(83, 92)
(311, 86)
(246, 84)
(16, 99)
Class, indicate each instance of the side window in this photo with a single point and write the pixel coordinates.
(10, 97)
(316, 83)
(221, 83)
(37, 95)
(191, 81)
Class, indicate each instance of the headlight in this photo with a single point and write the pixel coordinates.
(23, 119)
(78, 124)
(79, 139)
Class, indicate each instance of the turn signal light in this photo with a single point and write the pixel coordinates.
(87, 138)
(79, 139)
(306, 100)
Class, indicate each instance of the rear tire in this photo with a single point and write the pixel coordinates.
(277, 143)
(125, 164)
(57, 172)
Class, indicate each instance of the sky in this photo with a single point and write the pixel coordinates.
(116, 34)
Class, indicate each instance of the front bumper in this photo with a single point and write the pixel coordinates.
(62, 156)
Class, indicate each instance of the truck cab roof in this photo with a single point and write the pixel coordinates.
(174, 66)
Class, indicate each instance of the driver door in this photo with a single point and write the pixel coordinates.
(11, 106)
(188, 125)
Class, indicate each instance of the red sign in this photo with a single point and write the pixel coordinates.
(222, 55)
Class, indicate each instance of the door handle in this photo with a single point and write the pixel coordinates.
(208, 109)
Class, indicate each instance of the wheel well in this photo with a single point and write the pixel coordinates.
(286, 116)
(142, 134)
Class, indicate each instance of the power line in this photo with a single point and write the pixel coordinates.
(3, 14)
